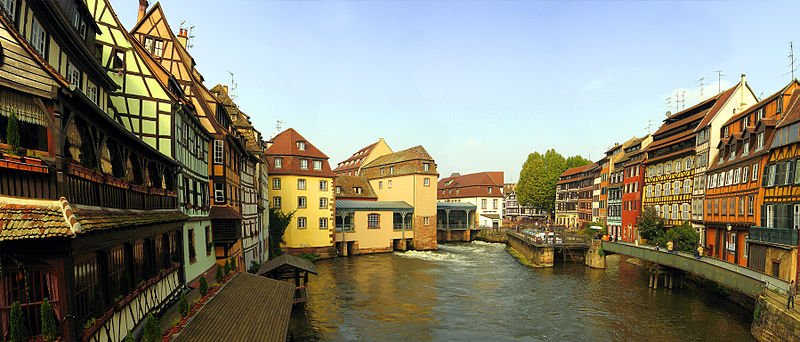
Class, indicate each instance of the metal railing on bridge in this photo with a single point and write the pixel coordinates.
(781, 236)
(553, 239)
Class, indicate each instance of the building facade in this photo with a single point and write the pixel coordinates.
(571, 207)
(483, 189)
(632, 188)
(302, 182)
(513, 211)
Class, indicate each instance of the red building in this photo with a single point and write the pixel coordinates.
(632, 185)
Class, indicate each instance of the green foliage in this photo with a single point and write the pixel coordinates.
(757, 311)
(601, 252)
(650, 225)
(309, 256)
(17, 325)
(233, 264)
(203, 286)
(278, 222)
(183, 305)
(539, 175)
(227, 267)
(254, 266)
(152, 331)
(129, 337)
(219, 274)
(13, 133)
(49, 331)
(683, 237)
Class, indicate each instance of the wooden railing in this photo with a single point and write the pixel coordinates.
(90, 188)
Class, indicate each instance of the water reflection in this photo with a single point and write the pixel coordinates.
(478, 292)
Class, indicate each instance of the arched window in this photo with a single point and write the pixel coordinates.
(667, 168)
(688, 162)
(677, 166)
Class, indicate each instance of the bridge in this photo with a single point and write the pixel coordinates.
(542, 252)
(741, 279)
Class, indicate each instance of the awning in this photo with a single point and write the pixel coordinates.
(491, 216)
(287, 260)
(25, 107)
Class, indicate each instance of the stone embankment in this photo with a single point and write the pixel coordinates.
(772, 321)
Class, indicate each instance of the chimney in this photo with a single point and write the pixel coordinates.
(142, 9)
(742, 104)
(183, 36)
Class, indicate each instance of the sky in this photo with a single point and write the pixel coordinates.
(479, 84)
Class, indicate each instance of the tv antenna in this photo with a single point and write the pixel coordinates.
(278, 125)
(234, 86)
(189, 34)
(719, 80)
(792, 67)
(683, 99)
(702, 84)
(669, 102)
(650, 126)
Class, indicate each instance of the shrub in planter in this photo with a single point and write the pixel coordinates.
(219, 274)
(48, 322)
(12, 130)
(203, 286)
(17, 325)
(254, 265)
(233, 264)
(129, 337)
(152, 332)
(227, 267)
(183, 305)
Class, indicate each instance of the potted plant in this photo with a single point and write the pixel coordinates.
(16, 324)
(175, 327)
(152, 332)
(183, 305)
(13, 133)
(48, 322)
(203, 287)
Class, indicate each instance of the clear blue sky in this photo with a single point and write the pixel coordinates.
(479, 84)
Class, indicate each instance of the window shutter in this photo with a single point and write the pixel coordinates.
(765, 176)
(789, 176)
(763, 215)
(782, 215)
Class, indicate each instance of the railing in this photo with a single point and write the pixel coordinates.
(345, 227)
(399, 226)
(453, 226)
(300, 295)
(781, 236)
(553, 240)
(112, 195)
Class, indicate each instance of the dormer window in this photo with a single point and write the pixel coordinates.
(391, 170)
(745, 122)
(725, 132)
(760, 140)
(301, 145)
(38, 37)
(317, 165)
(304, 164)
(357, 189)
(746, 147)
(779, 106)
(278, 163)
(426, 166)
(760, 113)
(489, 189)
(73, 75)
(338, 189)
(79, 23)
(118, 59)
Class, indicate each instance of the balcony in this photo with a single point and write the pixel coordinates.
(453, 226)
(780, 236)
(398, 226)
(344, 227)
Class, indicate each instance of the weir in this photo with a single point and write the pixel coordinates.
(543, 253)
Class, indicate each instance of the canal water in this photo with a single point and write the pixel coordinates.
(478, 292)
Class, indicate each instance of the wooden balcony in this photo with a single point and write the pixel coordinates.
(87, 187)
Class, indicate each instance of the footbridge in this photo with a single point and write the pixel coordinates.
(742, 279)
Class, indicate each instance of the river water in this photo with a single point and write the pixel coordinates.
(478, 292)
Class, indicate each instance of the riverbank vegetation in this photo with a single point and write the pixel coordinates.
(651, 227)
(537, 179)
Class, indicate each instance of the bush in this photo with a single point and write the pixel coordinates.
(683, 237)
(152, 331)
(650, 225)
(13, 133)
(183, 305)
(17, 324)
(233, 264)
(48, 322)
(129, 337)
(254, 266)
(227, 267)
(219, 274)
(203, 286)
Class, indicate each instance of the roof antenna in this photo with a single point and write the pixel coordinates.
(702, 84)
(719, 80)
(233, 88)
(278, 125)
(189, 37)
(683, 99)
(792, 67)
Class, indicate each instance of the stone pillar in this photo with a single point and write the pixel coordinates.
(593, 258)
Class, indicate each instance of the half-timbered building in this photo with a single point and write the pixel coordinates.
(632, 188)
(74, 193)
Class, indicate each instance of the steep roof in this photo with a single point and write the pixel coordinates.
(347, 183)
(355, 159)
(285, 145)
(239, 119)
(759, 104)
(414, 153)
(471, 185)
(719, 102)
(577, 170)
(792, 111)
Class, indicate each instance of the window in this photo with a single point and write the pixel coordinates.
(667, 168)
(118, 277)
(209, 244)
(357, 189)
(380, 184)
(158, 48)
(685, 211)
(323, 223)
(382, 170)
(91, 92)
(750, 205)
(676, 187)
(276, 184)
(219, 192)
(675, 211)
(426, 182)
(426, 221)
(278, 162)
(218, 152)
(741, 205)
(658, 190)
(323, 185)
(732, 242)
(483, 203)
(304, 164)
(338, 189)
(276, 202)
(38, 38)
(301, 184)
(744, 174)
(760, 140)
(389, 183)
(426, 166)
(148, 44)
(746, 148)
(323, 203)
(755, 172)
(73, 75)
(770, 216)
(373, 221)
(725, 132)
(779, 105)
(301, 145)
(192, 253)
(494, 204)
(301, 201)
(87, 286)
(9, 7)
(301, 223)
(666, 189)
(677, 166)
(736, 176)
(687, 186)
(317, 165)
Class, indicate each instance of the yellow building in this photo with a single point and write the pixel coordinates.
(301, 181)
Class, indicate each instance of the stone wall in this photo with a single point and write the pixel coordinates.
(538, 256)
(595, 256)
(771, 320)
(425, 236)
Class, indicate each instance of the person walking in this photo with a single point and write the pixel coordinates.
(669, 247)
(791, 293)
(699, 251)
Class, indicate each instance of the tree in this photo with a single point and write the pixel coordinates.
(683, 237)
(219, 274)
(278, 222)
(48, 321)
(203, 286)
(227, 267)
(650, 225)
(17, 326)
(183, 305)
(13, 133)
(538, 178)
(576, 161)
